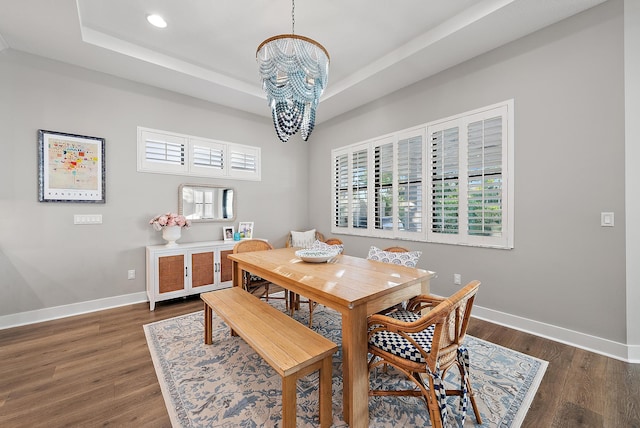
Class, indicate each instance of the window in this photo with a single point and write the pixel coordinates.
(171, 153)
(163, 153)
(447, 181)
(208, 157)
(469, 179)
(244, 161)
(377, 186)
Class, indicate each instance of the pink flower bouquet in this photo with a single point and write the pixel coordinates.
(169, 219)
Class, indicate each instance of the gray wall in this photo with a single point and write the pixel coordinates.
(567, 85)
(632, 159)
(45, 260)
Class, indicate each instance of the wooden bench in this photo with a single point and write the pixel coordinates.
(291, 348)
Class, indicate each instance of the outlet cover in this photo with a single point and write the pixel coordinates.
(606, 219)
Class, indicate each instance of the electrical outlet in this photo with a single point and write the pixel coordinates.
(131, 274)
(457, 279)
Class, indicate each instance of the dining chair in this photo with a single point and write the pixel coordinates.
(333, 241)
(395, 255)
(424, 347)
(308, 236)
(397, 250)
(252, 283)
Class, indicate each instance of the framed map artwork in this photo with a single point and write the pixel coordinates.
(70, 168)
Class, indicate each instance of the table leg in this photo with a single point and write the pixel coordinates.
(354, 367)
(237, 274)
(425, 286)
(208, 333)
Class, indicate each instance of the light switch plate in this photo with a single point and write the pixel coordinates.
(87, 219)
(606, 219)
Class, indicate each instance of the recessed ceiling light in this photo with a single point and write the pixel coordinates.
(157, 21)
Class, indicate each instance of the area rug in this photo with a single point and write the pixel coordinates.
(227, 384)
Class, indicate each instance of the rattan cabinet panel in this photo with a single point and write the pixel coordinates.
(186, 269)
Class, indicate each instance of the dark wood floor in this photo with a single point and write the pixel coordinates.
(95, 370)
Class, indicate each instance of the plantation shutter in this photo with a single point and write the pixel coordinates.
(449, 181)
(207, 157)
(244, 162)
(485, 177)
(410, 183)
(341, 190)
(383, 187)
(445, 181)
(166, 152)
(162, 152)
(359, 189)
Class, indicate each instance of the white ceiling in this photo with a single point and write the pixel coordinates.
(208, 49)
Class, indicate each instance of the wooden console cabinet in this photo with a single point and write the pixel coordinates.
(185, 269)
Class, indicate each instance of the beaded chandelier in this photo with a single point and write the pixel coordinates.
(294, 71)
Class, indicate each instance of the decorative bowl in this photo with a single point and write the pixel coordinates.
(315, 256)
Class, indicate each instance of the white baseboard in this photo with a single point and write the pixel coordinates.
(609, 348)
(619, 351)
(47, 314)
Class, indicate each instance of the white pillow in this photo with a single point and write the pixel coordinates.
(319, 245)
(303, 239)
(410, 258)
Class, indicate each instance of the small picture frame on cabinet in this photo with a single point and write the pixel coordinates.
(227, 233)
(246, 229)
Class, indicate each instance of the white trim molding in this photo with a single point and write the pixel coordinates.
(608, 348)
(48, 314)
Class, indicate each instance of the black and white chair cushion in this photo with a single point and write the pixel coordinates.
(398, 345)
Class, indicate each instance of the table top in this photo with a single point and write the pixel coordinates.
(345, 281)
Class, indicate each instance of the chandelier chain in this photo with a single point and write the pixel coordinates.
(293, 16)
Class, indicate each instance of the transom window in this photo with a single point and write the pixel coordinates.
(171, 153)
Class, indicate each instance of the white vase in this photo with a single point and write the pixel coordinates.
(171, 234)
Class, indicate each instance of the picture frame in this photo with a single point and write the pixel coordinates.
(246, 229)
(227, 233)
(71, 168)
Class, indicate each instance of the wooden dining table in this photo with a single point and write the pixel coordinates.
(353, 286)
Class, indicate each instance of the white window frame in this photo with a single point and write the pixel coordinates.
(222, 155)
(505, 241)
(353, 223)
(461, 121)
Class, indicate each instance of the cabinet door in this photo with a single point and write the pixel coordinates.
(171, 273)
(226, 273)
(202, 269)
